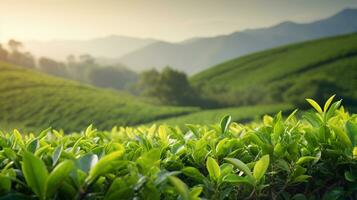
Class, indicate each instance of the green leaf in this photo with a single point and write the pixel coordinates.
(89, 131)
(149, 159)
(350, 176)
(220, 147)
(213, 168)
(332, 109)
(58, 175)
(119, 189)
(193, 173)
(18, 137)
(226, 120)
(277, 131)
(241, 166)
(226, 168)
(5, 184)
(44, 133)
(104, 165)
(301, 178)
(56, 154)
(87, 162)
(328, 102)
(181, 187)
(195, 193)
(291, 115)
(342, 136)
(163, 134)
(352, 131)
(233, 178)
(35, 174)
(314, 105)
(335, 193)
(33, 145)
(261, 167)
(305, 159)
(282, 164)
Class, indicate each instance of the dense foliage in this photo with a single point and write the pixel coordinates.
(168, 87)
(279, 158)
(285, 74)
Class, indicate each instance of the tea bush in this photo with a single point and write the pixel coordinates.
(308, 157)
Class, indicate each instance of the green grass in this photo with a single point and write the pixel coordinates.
(32, 100)
(239, 114)
(312, 69)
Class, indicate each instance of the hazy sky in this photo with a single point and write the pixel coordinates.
(171, 20)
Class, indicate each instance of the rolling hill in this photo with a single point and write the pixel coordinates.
(197, 54)
(315, 69)
(31, 100)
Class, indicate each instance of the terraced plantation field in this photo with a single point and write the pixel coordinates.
(313, 157)
(238, 114)
(31, 100)
(316, 69)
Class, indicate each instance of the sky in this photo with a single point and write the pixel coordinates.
(170, 20)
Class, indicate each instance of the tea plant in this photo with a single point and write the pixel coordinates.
(313, 157)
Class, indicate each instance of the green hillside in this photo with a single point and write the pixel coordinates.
(313, 69)
(239, 114)
(32, 100)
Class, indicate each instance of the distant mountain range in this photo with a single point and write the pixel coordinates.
(106, 48)
(201, 53)
(197, 54)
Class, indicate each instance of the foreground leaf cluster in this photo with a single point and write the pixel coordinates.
(307, 155)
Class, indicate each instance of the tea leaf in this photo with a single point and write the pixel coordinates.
(314, 105)
(59, 174)
(226, 120)
(213, 168)
(35, 174)
(261, 167)
(181, 187)
(240, 165)
(328, 102)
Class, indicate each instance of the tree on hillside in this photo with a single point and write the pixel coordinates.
(79, 68)
(25, 59)
(18, 57)
(87, 59)
(52, 67)
(169, 87)
(112, 77)
(14, 45)
(3, 53)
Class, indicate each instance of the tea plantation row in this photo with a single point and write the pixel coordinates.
(313, 157)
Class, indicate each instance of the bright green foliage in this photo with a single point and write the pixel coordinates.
(313, 157)
(31, 100)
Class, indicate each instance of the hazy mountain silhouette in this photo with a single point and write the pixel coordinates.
(112, 46)
(198, 54)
